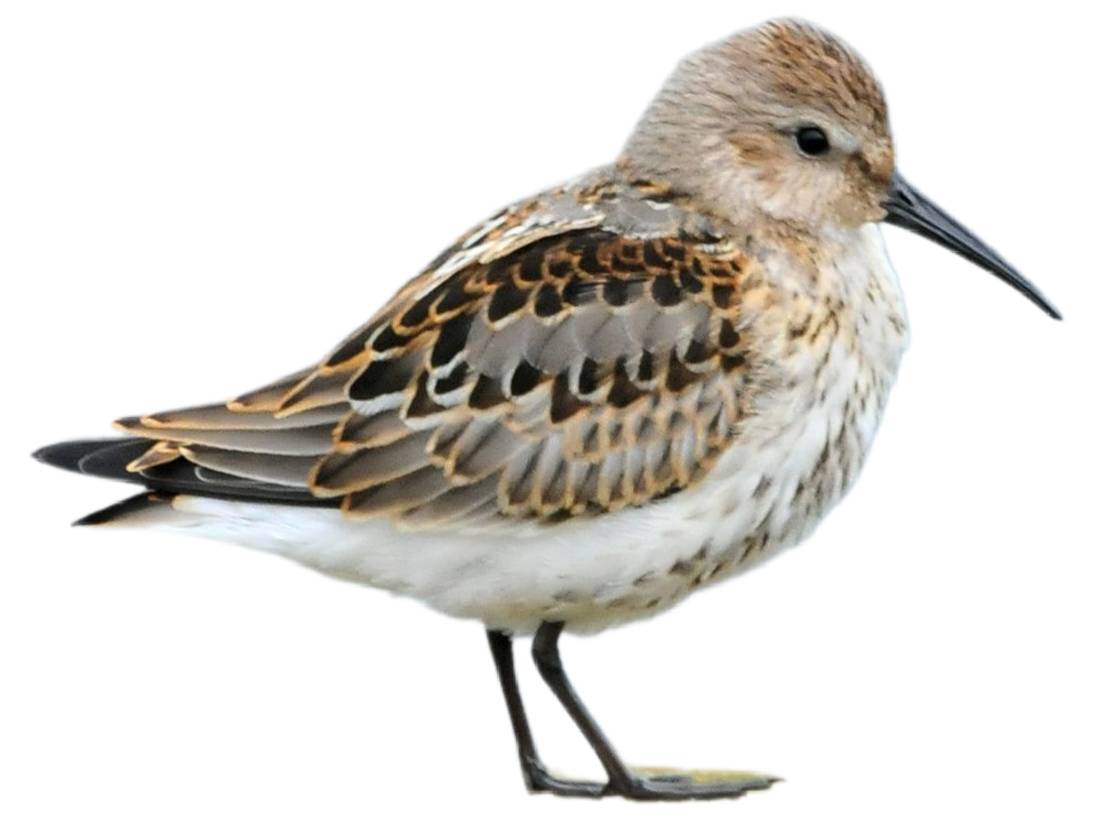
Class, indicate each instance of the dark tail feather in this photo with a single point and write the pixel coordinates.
(106, 458)
(96, 457)
(133, 506)
(109, 459)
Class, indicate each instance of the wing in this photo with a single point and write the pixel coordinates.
(560, 368)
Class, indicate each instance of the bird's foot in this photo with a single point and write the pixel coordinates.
(670, 784)
(653, 784)
(539, 780)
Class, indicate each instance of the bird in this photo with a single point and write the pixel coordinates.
(625, 388)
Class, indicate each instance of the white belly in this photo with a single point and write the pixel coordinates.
(793, 459)
(766, 493)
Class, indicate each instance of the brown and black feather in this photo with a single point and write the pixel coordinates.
(582, 370)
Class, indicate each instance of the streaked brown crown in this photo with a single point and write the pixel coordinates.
(722, 130)
(797, 62)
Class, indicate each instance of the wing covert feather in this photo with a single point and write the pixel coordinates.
(575, 371)
(585, 372)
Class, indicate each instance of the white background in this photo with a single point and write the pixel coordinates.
(198, 197)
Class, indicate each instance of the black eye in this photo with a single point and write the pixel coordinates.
(812, 140)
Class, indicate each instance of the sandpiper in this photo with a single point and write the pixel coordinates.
(603, 397)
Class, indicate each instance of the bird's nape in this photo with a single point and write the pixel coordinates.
(908, 208)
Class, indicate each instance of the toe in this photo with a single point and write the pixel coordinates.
(668, 783)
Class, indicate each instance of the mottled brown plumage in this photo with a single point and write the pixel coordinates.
(574, 372)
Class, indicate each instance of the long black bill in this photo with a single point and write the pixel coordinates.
(909, 209)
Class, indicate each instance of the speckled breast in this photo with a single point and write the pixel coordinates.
(833, 358)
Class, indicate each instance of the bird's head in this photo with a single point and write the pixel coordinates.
(785, 125)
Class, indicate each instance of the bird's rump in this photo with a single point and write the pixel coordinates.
(580, 370)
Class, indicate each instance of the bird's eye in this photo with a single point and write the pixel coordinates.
(812, 141)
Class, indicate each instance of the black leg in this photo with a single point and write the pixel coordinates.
(549, 664)
(536, 776)
(661, 785)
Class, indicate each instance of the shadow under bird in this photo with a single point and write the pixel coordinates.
(603, 397)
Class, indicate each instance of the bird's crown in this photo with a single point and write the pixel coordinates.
(782, 122)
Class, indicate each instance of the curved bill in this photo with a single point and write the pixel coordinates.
(909, 209)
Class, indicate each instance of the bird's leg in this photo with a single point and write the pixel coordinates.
(650, 784)
(536, 776)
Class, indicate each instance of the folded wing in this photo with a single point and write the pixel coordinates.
(582, 370)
